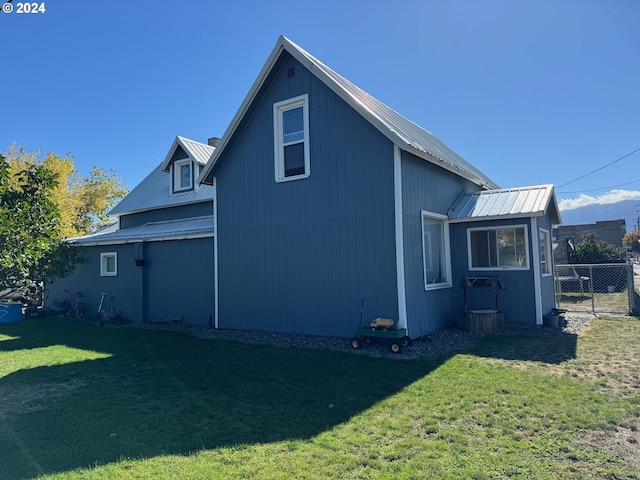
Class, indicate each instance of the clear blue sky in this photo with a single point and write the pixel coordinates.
(529, 91)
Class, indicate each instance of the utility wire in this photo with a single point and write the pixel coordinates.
(603, 188)
(598, 169)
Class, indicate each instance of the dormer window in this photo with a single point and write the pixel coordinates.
(183, 175)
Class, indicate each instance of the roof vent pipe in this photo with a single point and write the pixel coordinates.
(213, 141)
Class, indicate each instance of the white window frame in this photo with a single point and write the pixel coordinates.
(544, 237)
(104, 272)
(430, 282)
(525, 266)
(177, 177)
(278, 109)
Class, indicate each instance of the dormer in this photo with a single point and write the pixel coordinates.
(185, 161)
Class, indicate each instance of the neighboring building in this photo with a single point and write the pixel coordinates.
(324, 197)
(611, 231)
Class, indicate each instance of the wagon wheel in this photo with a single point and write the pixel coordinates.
(406, 341)
(396, 347)
(355, 343)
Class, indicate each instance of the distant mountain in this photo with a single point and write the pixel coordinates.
(627, 209)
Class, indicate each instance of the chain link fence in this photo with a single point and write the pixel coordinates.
(598, 288)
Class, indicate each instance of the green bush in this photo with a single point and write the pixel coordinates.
(591, 250)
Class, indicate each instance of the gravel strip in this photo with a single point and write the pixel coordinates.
(443, 341)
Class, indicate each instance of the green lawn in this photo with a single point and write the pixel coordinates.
(78, 402)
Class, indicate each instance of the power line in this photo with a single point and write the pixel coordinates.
(603, 188)
(603, 167)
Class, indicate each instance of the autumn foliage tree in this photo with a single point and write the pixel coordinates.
(83, 201)
(632, 239)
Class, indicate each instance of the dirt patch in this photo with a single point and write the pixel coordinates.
(623, 443)
(20, 399)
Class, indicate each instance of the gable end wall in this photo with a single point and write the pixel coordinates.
(299, 256)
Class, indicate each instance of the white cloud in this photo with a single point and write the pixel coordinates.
(613, 196)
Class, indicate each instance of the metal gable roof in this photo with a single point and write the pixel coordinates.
(506, 203)
(155, 190)
(198, 152)
(404, 133)
(197, 227)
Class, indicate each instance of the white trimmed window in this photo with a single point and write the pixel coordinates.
(109, 264)
(545, 252)
(494, 248)
(436, 254)
(182, 175)
(291, 138)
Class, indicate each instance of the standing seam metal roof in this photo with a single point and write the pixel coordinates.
(196, 227)
(509, 202)
(155, 190)
(399, 126)
(404, 133)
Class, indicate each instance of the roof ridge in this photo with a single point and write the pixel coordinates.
(404, 133)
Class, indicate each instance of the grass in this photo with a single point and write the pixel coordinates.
(78, 402)
(617, 302)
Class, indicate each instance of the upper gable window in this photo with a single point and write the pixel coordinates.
(182, 175)
(291, 131)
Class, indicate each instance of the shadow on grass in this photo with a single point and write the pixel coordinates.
(168, 393)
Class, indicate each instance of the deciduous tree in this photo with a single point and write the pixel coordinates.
(30, 244)
(83, 201)
(632, 239)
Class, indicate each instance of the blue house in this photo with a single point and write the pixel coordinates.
(325, 196)
(319, 197)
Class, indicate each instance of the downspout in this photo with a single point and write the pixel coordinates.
(537, 273)
(215, 254)
(397, 191)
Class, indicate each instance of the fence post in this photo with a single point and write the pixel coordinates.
(631, 288)
(593, 301)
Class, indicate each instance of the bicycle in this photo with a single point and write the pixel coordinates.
(74, 305)
(107, 315)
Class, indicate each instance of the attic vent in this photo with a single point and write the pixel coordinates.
(291, 72)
